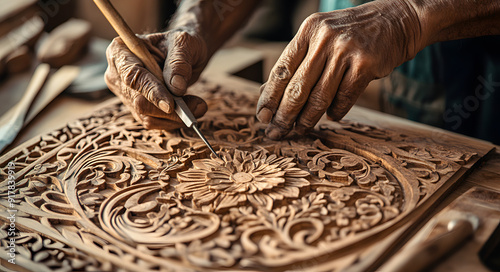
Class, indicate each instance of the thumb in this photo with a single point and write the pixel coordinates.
(184, 51)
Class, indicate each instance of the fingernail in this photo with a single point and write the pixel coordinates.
(178, 82)
(164, 106)
(273, 134)
(265, 115)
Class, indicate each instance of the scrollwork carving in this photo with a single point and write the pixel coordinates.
(109, 195)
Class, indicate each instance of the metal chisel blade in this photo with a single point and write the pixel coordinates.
(188, 118)
(204, 139)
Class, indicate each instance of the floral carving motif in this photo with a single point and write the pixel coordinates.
(106, 194)
(239, 177)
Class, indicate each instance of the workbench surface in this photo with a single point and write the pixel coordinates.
(486, 174)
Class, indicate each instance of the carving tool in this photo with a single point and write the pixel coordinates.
(55, 51)
(136, 46)
(490, 252)
(423, 254)
(11, 124)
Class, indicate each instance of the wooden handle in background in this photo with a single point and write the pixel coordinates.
(428, 252)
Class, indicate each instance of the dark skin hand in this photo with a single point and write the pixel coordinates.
(330, 62)
(334, 55)
(325, 67)
(183, 52)
(142, 92)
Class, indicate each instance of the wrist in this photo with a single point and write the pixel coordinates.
(456, 19)
(406, 21)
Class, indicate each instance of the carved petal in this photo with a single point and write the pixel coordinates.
(218, 175)
(228, 201)
(190, 187)
(205, 164)
(297, 182)
(203, 197)
(296, 172)
(290, 192)
(192, 176)
(261, 200)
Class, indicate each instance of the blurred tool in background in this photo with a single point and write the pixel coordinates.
(23, 44)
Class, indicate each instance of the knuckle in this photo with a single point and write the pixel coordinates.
(113, 47)
(178, 64)
(346, 96)
(338, 110)
(365, 70)
(295, 94)
(262, 88)
(110, 77)
(149, 91)
(147, 122)
(312, 20)
(342, 47)
(182, 38)
(281, 72)
(324, 28)
(138, 104)
(363, 64)
(319, 105)
(282, 124)
(131, 75)
(307, 122)
(117, 41)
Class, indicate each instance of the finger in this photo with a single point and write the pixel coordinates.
(155, 43)
(150, 122)
(352, 85)
(281, 74)
(112, 79)
(197, 105)
(136, 77)
(114, 83)
(321, 96)
(185, 52)
(297, 93)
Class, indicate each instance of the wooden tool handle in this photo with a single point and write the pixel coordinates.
(133, 43)
(428, 252)
(65, 44)
(35, 85)
(137, 47)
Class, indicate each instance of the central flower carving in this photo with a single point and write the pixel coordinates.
(239, 177)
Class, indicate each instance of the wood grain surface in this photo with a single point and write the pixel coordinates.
(108, 194)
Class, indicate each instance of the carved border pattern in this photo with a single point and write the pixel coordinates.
(103, 193)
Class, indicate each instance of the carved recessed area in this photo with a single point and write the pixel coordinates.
(103, 193)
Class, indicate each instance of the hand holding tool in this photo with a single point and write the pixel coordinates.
(136, 46)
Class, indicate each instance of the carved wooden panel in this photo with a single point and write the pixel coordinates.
(104, 194)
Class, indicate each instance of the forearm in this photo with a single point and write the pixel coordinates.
(443, 20)
(214, 20)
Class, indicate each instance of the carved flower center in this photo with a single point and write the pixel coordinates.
(241, 177)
